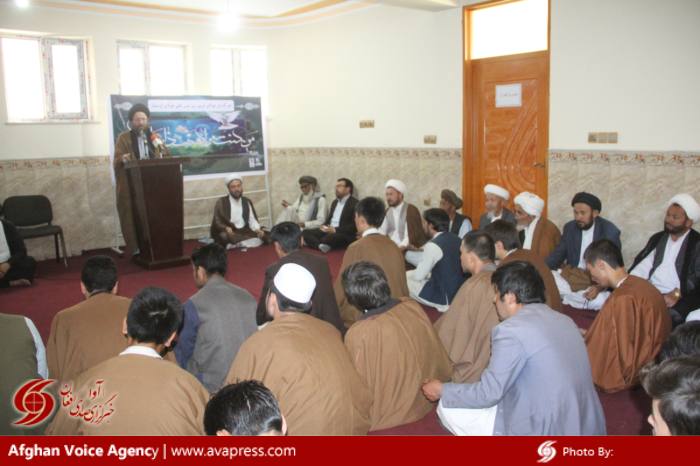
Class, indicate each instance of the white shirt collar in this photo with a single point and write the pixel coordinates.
(680, 239)
(142, 351)
(370, 231)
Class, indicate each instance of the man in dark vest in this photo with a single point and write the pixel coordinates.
(235, 223)
(286, 239)
(439, 275)
(310, 209)
(671, 259)
(460, 225)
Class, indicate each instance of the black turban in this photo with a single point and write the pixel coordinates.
(587, 198)
(139, 108)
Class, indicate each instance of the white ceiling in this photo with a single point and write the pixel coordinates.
(263, 8)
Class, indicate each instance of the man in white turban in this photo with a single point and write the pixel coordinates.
(496, 199)
(235, 223)
(402, 221)
(536, 233)
(671, 259)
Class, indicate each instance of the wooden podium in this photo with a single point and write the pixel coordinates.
(156, 191)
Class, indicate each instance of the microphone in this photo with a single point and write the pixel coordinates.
(155, 139)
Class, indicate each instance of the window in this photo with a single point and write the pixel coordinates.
(151, 69)
(239, 71)
(508, 28)
(45, 79)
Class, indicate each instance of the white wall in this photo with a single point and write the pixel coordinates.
(625, 65)
(399, 67)
(396, 66)
(89, 139)
(631, 66)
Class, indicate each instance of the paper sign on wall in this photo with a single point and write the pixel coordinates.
(509, 95)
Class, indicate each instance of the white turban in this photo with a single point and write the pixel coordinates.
(232, 177)
(295, 283)
(691, 207)
(497, 191)
(398, 185)
(531, 203)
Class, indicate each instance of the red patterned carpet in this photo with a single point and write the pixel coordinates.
(57, 287)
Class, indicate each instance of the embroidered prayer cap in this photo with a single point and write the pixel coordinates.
(296, 284)
(307, 179)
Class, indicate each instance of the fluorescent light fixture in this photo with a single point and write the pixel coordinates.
(22, 3)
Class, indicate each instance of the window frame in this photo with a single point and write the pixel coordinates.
(47, 79)
(237, 63)
(145, 46)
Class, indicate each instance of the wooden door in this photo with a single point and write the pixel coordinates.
(505, 143)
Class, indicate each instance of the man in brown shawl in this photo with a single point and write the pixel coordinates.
(89, 332)
(465, 329)
(373, 247)
(508, 249)
(303, 361)
(634, 322)
(136, 392)
(138, 143)
(393, 346)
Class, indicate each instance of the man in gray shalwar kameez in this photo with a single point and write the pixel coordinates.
(538, 381)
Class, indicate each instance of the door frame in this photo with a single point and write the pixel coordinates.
(470, 187)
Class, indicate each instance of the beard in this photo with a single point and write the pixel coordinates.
(236, 195)
(674, 230)
(585, 226)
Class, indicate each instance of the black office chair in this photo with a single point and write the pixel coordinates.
(32, 215)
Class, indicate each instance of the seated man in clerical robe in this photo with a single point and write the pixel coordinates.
(393, 347)
(671, 259)
(303, 361)
(573, 280)
(235, 223)
(136, 392)
(537, 233)
(629, 330)
(402, 222)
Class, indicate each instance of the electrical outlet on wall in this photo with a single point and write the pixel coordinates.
(602, 137)
(366, 124)
(429, 139)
